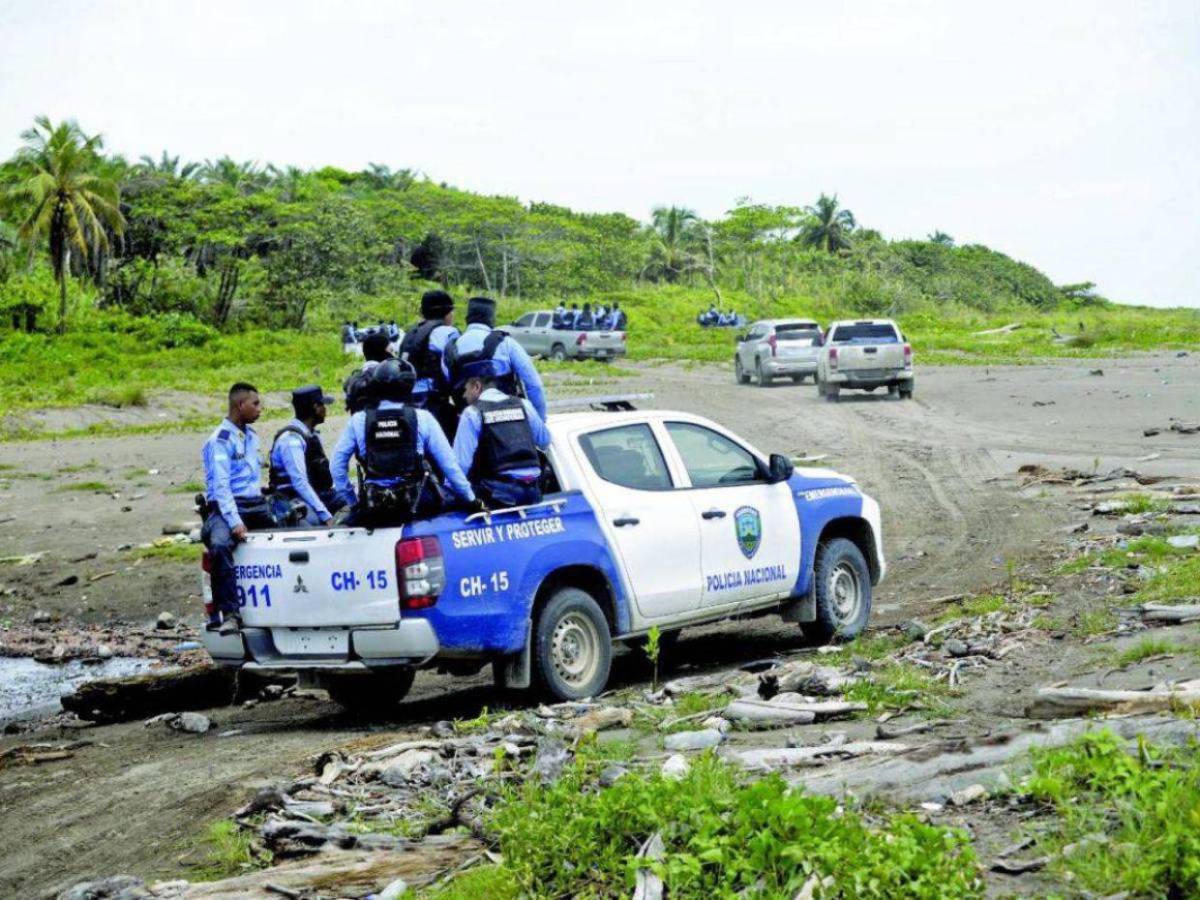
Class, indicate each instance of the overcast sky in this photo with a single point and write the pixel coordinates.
(1066, 134)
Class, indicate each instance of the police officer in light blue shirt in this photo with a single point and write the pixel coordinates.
(422, 348)
(497, 445)
(392, 441)
(299, 468)
(235, 500)
(506, 360)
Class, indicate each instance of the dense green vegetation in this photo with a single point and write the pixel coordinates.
(170, 275)
(1126, 822)
(722, 837)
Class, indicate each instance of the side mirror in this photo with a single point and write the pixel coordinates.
(779, 468)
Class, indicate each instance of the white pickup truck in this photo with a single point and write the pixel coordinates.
(650, 518)
(863, 355)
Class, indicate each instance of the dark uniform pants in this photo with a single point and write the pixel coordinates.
(219, 540)
(441, 408)
(499, 493)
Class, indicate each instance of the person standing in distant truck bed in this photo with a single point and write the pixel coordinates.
(236, 505)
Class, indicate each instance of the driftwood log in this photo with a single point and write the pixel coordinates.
(173, 690)
(1062, 702)
(1160, 612)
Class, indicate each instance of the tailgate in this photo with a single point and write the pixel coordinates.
(870, 356)
(801, 348)
(308, 579)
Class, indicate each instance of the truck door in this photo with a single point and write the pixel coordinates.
(645, 519)
(539, 335)
(749, 530)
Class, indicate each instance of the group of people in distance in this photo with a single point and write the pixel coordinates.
(352, 334)
(454, 420)
(714, 318)
(590, 318)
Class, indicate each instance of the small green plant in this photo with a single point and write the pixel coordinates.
(188, 487)
(1141, 503)
(1146, 648)
(119, 397)
(899, 685)
(1095, 622)
(98, 486)
(230, 851)
(477, 725)
(1129, 818)
(722, 838)
(653, 637)
(81, 467)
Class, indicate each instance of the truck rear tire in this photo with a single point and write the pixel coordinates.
(572, 651)
(371, 692)
(762, 379)
(739, 373)
(831, 392)
(842, 582)
(906, 393)
(558, 353)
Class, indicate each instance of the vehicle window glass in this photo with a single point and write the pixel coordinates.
(542, 320)
(865, 333)
(797, 333)
(711, 459)
(758, 332)
(629, 456)
(525, 321)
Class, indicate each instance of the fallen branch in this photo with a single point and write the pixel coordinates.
(1176, 615)
(1057, 702)
(790, 757)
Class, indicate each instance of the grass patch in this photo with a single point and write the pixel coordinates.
(119, 397)
(1047, 622)
(89, 466)
(1131, 818)
(188, 487)
(1146, 648)
(1146, 550)
(870, 646)
(974, 607)
(664, 718)
(898, 685)
(230, 851)
(1095, 622)
(85, 486)
(1141, 503)
(1176, 582)
(722, 838)
(172, 552)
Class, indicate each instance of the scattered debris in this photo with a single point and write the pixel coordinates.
(165, 620)
(649, 884)
(1056, 702)
(790, 757)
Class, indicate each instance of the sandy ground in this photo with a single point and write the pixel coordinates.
(940, 465)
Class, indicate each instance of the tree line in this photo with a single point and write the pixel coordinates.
(238, 244)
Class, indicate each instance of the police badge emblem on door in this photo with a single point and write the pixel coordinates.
(748, 525)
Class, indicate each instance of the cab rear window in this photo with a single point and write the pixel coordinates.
(865, 333)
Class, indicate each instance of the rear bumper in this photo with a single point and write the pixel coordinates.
(409, 643)
(600, 352)
(781, 365)
(870, 379)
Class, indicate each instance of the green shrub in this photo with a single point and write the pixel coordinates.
(722, 838)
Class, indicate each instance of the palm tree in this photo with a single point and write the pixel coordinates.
(244, 177)
(71, 205)
(674, 230)
(940, 237)
(380, 176)
(828, 227)
(168, 165)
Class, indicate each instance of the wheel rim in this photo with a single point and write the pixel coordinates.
(845, 592)
(575, 649)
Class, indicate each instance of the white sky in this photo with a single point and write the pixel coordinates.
(1066, 134)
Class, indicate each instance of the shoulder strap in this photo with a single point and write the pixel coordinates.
(491, 342)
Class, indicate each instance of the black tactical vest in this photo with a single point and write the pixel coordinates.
(479, 364)
(415, 349)
(316, 464)
(391, 436)
(505, 438)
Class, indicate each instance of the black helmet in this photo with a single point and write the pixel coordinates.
(393, 379)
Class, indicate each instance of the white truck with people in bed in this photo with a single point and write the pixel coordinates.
(649, 519)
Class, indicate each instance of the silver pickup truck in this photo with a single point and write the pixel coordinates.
(535, 332)
(864, 355)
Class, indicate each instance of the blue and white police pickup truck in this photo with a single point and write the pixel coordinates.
(649, 518)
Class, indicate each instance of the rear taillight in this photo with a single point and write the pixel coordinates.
(420, 572)
(620, 335)
(908, 356)
(773, 343)
(582, 339)
(833, 358)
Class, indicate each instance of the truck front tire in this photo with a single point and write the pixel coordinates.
(370, 692)
(558, 353)
(572, 651)
(842, 582)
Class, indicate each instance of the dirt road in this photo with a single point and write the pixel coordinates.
(940, 465)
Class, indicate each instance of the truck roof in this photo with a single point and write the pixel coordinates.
(790, 320)
(863, 322)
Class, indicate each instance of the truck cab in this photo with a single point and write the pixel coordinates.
(649, 518)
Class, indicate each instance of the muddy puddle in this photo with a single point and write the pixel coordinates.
(30, 688)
